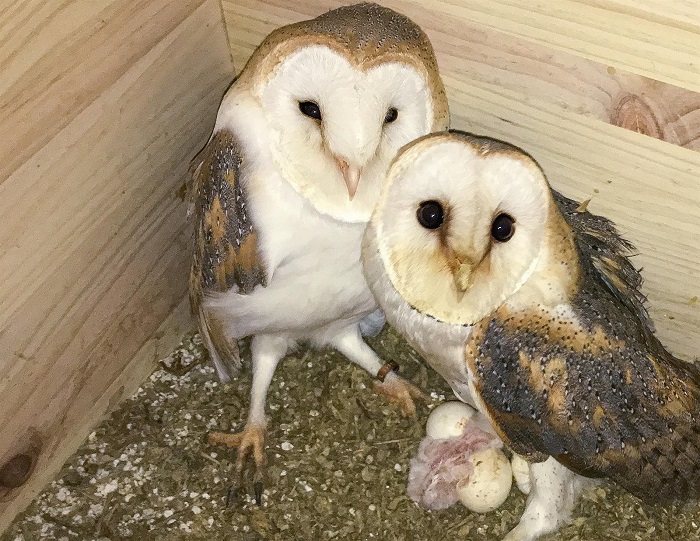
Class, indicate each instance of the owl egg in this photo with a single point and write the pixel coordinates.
(448, 420)
(521, 473)
(489, 484)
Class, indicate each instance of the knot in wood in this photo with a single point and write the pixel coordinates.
(16, 471)
(633, 113)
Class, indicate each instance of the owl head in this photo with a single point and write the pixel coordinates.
(464, 222)
(332, 99)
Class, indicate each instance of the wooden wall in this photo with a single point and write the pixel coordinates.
(604, 93)
(102, 105)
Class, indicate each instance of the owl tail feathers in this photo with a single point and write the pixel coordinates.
(223, 352)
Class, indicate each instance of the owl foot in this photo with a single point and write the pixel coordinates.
(250, 441)
(553, 495)
(401, 392)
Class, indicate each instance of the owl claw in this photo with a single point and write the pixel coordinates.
(231, 495)
(258, 490)
(401, 392)
(250, 441)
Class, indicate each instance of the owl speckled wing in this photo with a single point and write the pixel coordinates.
(592, 397)
(589, 384)
(226, 244)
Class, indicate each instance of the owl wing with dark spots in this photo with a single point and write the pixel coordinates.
(602, 406)
(608, 253)
(226, 253)
(226, 242)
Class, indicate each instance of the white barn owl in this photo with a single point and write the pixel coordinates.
(530, 308)
(284, 188)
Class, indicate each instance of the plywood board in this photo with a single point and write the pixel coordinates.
(102, 105)
(604, 93)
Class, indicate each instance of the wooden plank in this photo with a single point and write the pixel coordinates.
(566, 81)
(565, 108)
(641, 41)
(658, 39)
(668, 12)
(106, 102)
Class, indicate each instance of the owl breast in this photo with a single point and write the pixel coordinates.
(314, 283)
(439, 343)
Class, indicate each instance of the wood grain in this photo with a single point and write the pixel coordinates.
(604, 126)
(656, 39)
(106, 102)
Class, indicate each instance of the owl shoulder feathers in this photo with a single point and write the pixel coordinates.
(226, 241)
(608, 253)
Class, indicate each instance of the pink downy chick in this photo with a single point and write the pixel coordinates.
(441, 464)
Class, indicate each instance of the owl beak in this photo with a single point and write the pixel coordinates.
(462, 271)
(463, 277)
(351, 175)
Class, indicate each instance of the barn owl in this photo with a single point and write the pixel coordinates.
(285, 186)
(529, 307)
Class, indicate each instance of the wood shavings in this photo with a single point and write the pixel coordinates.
(164, 482)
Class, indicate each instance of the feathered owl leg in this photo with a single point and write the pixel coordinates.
(554, 492)
(266, 353)
(399, 391)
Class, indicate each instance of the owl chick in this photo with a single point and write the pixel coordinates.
(529, 307)
(284, 188)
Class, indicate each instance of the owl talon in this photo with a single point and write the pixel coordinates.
(250, 441)
(401, 392)
(231, 495)
(258, 490)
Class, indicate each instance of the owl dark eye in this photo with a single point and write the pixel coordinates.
(430, 214)
(310, 109)
(502, 228)
(391, 115)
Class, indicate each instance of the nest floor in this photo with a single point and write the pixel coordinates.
(337, 464)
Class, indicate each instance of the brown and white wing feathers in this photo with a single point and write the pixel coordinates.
(226, 252)
(595, 390)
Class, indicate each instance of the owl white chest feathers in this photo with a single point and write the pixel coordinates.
(314, 281)
(440, 344)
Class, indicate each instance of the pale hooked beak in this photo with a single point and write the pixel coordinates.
(462, 271)
(462, 277)
(351, 175)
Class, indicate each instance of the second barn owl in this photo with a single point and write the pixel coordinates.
(529, 307)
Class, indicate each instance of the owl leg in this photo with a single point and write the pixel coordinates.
(553, 495)
(266, 352)
(398, 390)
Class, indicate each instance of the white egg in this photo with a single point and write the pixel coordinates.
(521, 473)
(490, 482)
(448, 420)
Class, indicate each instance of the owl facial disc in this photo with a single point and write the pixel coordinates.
(339, 95)
(460, 225)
